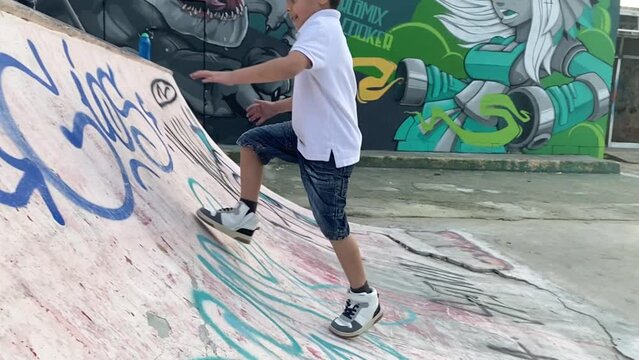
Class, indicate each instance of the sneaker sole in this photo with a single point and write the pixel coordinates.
(359, 332)
(234, 234)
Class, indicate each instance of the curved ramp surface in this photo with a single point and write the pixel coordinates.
(102, 167)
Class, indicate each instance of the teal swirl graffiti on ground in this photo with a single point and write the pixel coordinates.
(275, 295)
(273, 307)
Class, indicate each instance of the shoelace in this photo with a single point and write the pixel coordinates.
(350, 311)
(229, 209)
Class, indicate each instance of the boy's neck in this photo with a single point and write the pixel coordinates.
(322, 9)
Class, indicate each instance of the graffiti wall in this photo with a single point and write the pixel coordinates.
(434, 75)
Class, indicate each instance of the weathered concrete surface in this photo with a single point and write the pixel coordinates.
(417, 193)
(594, 263)
(630, 170)
(102, 168)
(624, 155)
(579, 231)
(576, 164)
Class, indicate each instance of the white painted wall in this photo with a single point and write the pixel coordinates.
(630, 3)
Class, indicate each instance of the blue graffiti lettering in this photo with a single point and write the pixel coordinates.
(30, 182)
(110, 125)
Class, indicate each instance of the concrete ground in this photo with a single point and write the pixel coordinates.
(580, 231)
(623, 155)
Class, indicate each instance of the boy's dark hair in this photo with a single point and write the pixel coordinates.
(334, 3)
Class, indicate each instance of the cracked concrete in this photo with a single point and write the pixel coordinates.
(577, 231)
(483, 269)
(159, 324)
(204, 335)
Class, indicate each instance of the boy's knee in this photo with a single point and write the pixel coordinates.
(250, 143)
(270, 142)
(334, 228)
(250, 140)
(247, 140)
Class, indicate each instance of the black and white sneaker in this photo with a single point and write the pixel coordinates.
(362, 311)
(236, 222)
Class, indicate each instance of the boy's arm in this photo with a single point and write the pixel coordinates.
(284, 106)
(271, 71)
(261, 110)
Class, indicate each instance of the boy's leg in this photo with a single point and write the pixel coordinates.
(327, 187)
(251, 169)
(347, 252)
(258, 147)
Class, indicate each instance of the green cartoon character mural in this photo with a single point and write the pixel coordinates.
(530, 76)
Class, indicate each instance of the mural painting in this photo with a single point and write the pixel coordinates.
(472, 76)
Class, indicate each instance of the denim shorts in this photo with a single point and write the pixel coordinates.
(325, 184)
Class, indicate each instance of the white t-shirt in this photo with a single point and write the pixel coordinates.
(324, 96)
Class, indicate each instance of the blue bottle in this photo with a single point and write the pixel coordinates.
(144, 46)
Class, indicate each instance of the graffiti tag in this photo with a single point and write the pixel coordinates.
(163, 92)
(105, 113)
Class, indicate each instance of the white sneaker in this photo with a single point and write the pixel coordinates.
(236, 222)
(362, 311)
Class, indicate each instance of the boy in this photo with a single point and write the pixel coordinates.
(323, 137)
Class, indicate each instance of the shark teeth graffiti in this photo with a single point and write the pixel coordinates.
(218, 22)
(225, 10)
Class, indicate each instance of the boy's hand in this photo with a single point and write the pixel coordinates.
(260, 111)
(218, 77)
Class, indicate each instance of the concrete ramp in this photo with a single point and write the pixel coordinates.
(102, 166)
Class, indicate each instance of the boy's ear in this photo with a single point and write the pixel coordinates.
(325, 3)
